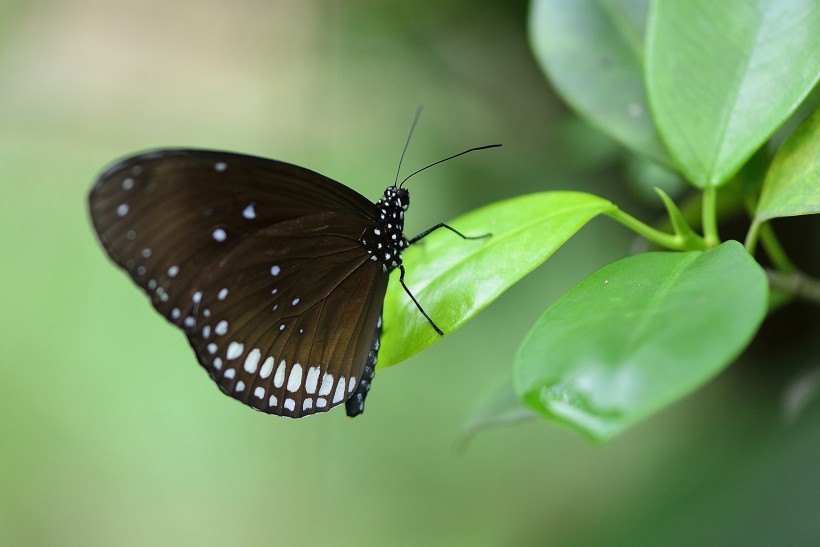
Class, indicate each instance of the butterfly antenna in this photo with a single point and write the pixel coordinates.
(407, 142)
(449, 158)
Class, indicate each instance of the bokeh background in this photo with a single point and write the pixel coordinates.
(111, 434)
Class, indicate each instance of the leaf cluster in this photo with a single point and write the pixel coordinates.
(699, 87)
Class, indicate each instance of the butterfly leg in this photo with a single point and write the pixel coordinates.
(416, 302)
(442, 225)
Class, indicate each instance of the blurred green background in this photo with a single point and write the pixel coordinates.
(110, 432)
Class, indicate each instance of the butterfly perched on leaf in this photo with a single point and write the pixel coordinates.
(276, 274)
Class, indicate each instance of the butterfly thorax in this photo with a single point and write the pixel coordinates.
(385, 242)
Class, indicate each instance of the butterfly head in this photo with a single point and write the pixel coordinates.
(398, 198)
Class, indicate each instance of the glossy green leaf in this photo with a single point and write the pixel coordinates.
(723, 76)
(792, 184)
(453, 279)
(639, 334)
(592, 52)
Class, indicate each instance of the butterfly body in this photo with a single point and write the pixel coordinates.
(275, 273)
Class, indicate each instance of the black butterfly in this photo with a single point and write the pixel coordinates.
(275, 273)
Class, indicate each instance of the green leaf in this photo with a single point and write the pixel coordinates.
(676, 217)
(453, 279)
(792, 184)
(592, 52)
(639, 334)
(723, 76)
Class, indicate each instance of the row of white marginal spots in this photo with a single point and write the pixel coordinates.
(236, 349)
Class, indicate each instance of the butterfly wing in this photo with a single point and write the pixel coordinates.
(231, 248)
(286, 320)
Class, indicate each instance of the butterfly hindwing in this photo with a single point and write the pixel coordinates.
(288, 333)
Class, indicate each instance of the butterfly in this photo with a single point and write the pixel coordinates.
(276, 274)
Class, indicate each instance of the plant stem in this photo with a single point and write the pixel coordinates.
(670, 241)
(751, 238)
(795, 283)
(709, 219)
(775, 251)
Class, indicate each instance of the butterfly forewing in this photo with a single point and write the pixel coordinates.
(233, 243)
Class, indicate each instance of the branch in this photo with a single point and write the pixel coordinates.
(796, 283)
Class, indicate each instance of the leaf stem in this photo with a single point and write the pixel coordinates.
(775, 251)
(751, 237)
(796, 283)
(670, 241)
(709, 219)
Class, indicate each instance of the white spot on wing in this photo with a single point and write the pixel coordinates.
(196, 297)
(267, 368)
(234, 350)
(249, 212)
(127, 184)
(221, 327)
(321, 403)
(274, 270)
(220, 166)
(279, 377)
(290, 404)
(327, 384)
(312, 380)
(307, 404)
(217, 363)
(351, 384)
(259, 392)
(219, 235)
(212, 348)
(173, 271)
(273, 401)
(339, 394)
(230, 373)
(240, 386)
(252, 360)
(223, 294)
(122, 209)
(295, 378)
